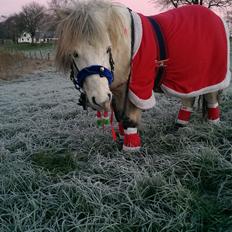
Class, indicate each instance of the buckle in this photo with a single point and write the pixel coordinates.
(161, 63)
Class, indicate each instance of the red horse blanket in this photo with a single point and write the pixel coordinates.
(198, 55)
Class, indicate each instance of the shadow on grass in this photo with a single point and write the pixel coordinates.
(54, 162)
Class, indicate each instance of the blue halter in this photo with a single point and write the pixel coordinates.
(79, 78)
(92, 70)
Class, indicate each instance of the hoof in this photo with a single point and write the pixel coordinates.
(132, 140)
(120, 142)
(179, 125)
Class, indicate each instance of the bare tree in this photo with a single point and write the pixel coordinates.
(229, 20)
(32, 16)
(11, 27)
(2, 18)
(54, 4)
(207, 3)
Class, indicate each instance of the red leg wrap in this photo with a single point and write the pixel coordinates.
(214, 114)
(184, 115)
(132, 140)
(98, 114)
(105, 114)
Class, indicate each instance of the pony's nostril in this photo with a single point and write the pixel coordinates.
(103, 104)
(110, 96)
(94, 100)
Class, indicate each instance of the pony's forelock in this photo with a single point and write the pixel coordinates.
(86, 20)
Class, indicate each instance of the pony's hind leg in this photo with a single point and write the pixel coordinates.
(185, 111)
(213, 111)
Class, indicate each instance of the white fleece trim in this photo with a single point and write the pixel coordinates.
(138, 32)
(212, 105)
(222, 85)
(131, 131)
(188, 109)
(141, 103)
(126, 148)
(213, 88)
(182, 122)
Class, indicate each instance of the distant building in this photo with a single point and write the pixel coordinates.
(25, 38)
(40, 37)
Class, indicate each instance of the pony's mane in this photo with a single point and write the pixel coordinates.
(86, 20)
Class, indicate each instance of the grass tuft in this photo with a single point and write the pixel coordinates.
(57, 164)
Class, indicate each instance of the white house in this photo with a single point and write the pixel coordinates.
(25, 38)
(40, 37)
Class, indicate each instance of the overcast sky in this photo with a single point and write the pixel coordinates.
(13, 6)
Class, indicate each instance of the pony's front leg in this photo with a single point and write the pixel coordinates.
(132, 140)
(117, 104)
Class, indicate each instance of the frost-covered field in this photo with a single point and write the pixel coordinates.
(58, 172)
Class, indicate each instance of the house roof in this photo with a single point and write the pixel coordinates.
(43, 35)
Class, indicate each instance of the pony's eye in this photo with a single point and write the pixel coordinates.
(75, 54)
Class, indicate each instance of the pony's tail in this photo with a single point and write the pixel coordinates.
(202, 104)
(204, 108)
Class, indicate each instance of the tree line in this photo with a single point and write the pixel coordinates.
(34, 16)
(206, 3)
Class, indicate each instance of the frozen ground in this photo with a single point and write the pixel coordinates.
(37, 111)
(40, 111)
(58, 172)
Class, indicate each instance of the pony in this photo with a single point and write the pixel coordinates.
(118, 58)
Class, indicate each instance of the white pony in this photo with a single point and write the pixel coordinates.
(119, 57)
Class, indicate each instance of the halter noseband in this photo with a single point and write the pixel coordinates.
(79, 78)
(92, 70)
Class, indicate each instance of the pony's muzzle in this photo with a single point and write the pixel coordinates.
(106, 105)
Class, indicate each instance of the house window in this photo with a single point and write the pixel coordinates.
(27, 39)
(24, 35)
(22, 39)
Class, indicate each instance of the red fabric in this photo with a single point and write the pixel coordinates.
(184, 115)
(213, 113)
(143, 68)
(98, 114)
(113, 133)
(197, 50)
(106, 114)
(132, 140)
(120, 129)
